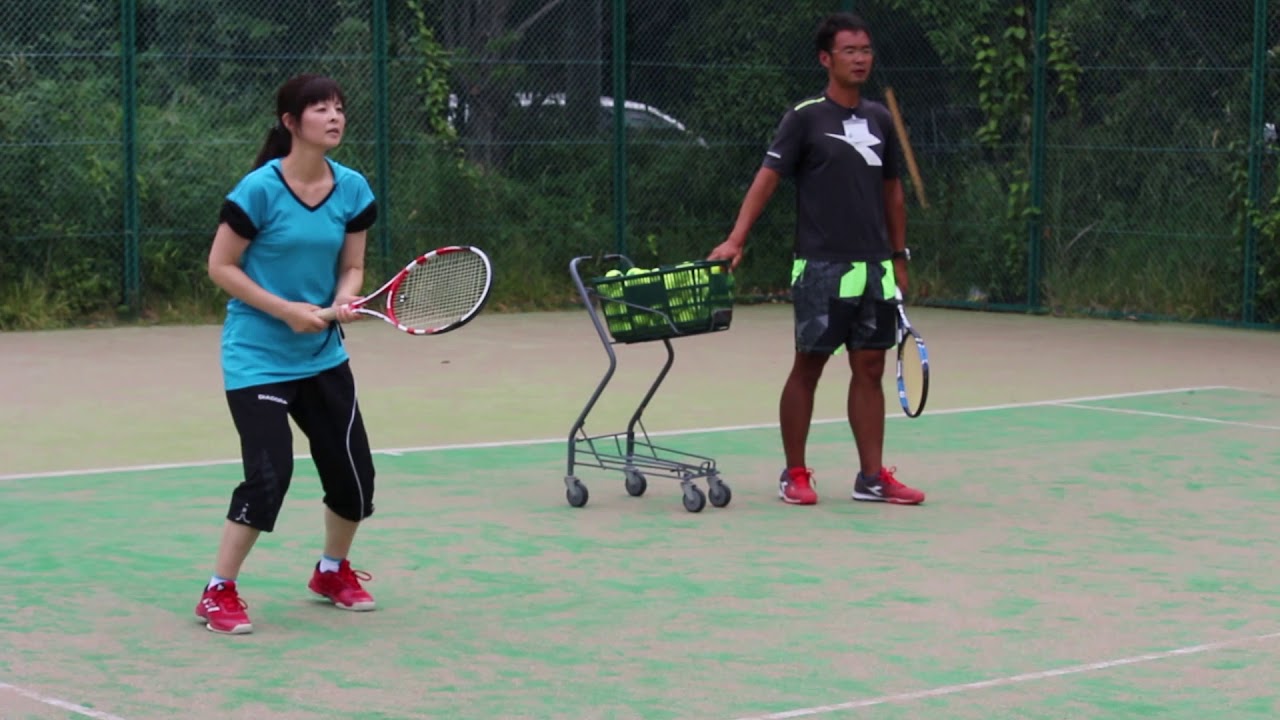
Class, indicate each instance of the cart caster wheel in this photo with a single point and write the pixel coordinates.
(719, 494)
(694, 500)
(636, 483)
(576, 494)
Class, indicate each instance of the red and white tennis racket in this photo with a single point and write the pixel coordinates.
(437, 292)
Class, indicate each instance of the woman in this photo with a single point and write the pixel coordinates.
(282, 232)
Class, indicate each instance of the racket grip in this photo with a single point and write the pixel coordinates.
(327, 314)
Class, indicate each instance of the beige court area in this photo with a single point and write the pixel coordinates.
(1098, 541)
(81, 399)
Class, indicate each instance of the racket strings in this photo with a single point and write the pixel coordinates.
(441, 292)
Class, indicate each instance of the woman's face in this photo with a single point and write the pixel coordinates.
(322, 124)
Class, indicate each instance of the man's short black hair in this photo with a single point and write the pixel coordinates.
(834, 23)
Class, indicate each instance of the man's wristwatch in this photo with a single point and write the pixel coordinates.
(904, 254)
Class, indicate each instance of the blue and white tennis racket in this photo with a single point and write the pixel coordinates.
(913, 365)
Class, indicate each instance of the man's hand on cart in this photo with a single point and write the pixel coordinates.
(731, 250)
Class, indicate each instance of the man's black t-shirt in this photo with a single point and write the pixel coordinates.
(839, 158)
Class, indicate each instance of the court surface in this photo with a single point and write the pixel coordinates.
(1098, 540)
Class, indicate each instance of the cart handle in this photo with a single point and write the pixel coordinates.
(573, 265)
(602, 258)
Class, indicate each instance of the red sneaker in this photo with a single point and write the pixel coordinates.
(885, 488)
(796, 487)
(342, 587)
(222, 610)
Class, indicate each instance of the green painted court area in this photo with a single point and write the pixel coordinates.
(1100, 558)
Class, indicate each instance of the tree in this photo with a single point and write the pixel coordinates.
(485, 37)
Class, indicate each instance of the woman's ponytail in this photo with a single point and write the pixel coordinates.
(277, 144)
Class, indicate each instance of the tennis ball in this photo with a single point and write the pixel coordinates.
(636, 271)
(609, 285)
(716, 269)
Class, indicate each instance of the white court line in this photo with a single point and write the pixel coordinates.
(61, 704)
(1013, 679)
(1171, 416)
(665, 433)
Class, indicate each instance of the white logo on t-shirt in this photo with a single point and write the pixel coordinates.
(859, 137)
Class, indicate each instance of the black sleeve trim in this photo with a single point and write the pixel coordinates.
(234, 216)
(364, 220)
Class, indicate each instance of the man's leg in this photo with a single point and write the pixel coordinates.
(866, 408)
(795, 414)
(821, 327)
(795, 411)
(877, 332)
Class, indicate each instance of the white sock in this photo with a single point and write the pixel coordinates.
(216, 581)
(328, 564)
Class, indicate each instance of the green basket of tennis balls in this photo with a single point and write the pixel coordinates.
(668, 301)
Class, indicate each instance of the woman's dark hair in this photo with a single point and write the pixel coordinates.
(825, 37)
(295, 95)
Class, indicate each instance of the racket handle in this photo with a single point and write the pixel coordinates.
(327, 314)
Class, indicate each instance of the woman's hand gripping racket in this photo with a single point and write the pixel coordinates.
(437, 292)
(913, 365)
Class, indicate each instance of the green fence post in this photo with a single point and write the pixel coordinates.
(1035, 219)
(382, 130)
(132, 264)
(620, 125)
(1257, 89)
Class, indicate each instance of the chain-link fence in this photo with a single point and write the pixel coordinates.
(1091, 157)
(1069, 155)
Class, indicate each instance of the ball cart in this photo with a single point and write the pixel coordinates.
(633, 305)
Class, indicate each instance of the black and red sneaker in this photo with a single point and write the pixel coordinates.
(796, 486)
(884, 487)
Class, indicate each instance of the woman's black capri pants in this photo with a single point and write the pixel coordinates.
(324, 407)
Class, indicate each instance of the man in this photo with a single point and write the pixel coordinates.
(850, 252)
